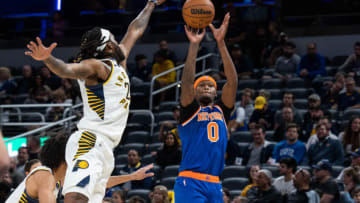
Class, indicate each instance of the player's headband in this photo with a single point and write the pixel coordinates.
(204, 78)
(105, 36)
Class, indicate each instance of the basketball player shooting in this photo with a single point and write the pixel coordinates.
(203, 130)
(105, 90)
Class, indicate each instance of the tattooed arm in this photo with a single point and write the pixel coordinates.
(83, 70)
(137, 27)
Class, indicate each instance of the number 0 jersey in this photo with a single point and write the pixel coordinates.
(106, 105)
(203, 135)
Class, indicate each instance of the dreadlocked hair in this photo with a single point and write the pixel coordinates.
(89, 43)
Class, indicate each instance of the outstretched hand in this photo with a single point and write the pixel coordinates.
(142, 172)
(39, 51)
(194, 35)
(219, 34)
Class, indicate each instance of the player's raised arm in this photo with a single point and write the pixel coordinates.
(229, 90)
(188, 75)
(81, 70)
(138, 26)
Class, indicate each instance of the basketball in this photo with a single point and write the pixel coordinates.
(198, 13)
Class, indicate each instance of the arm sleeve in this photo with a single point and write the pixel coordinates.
(275, 153)
(188, 111)
(226, 110)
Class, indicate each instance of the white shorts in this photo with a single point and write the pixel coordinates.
(90, 162)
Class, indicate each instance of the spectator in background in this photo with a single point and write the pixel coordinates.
(312, 116)
(40, 93)
(22, 158)
(355, 163)
(288, 101)
(170, 125)
(243, 64)
(163, 46)
(312, 64)
(325, 186)
(56, 113)
(274, 44)
(159, 195)
(170, 154)
(325, 148)
(350, 138)
(136, 199)
(15, 176)
(31, 165)
(118, 196)
(58, 26)
(267, 193)
(351, 180)
(33, 145)
(303, 191)
(162, 64)
(51, 80)
(289, 148)
(226, 195)
(287, 64)
(331, 96)
(72, 92)
(314, 138)
(7, 86)
(250, 191)
(284, 184)
(265, 93)
(26, 81)
(286, 119)
(262, 114)
(350, 98)
(352, 63)
(133, 165)
(142, 72)
(260, 150)
(243, 112)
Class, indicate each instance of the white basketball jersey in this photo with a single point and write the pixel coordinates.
(106, 105)
(20, 194)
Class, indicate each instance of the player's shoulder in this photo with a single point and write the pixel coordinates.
(91, 61)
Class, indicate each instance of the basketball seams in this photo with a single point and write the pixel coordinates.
(197, 16)
(207, 5)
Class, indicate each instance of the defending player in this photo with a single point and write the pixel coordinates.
(105, 90)
(203, 130)
(40, 185)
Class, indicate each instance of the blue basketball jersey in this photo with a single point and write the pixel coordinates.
(203, 135)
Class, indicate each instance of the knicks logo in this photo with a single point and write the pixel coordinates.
(82, 164)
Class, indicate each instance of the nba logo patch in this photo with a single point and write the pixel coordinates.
(80, 164)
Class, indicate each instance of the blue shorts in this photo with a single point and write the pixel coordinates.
(197, 191)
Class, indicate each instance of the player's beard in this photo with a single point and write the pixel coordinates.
(118, 54)
(205, 100)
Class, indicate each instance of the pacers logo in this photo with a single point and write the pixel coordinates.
(82, 164)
